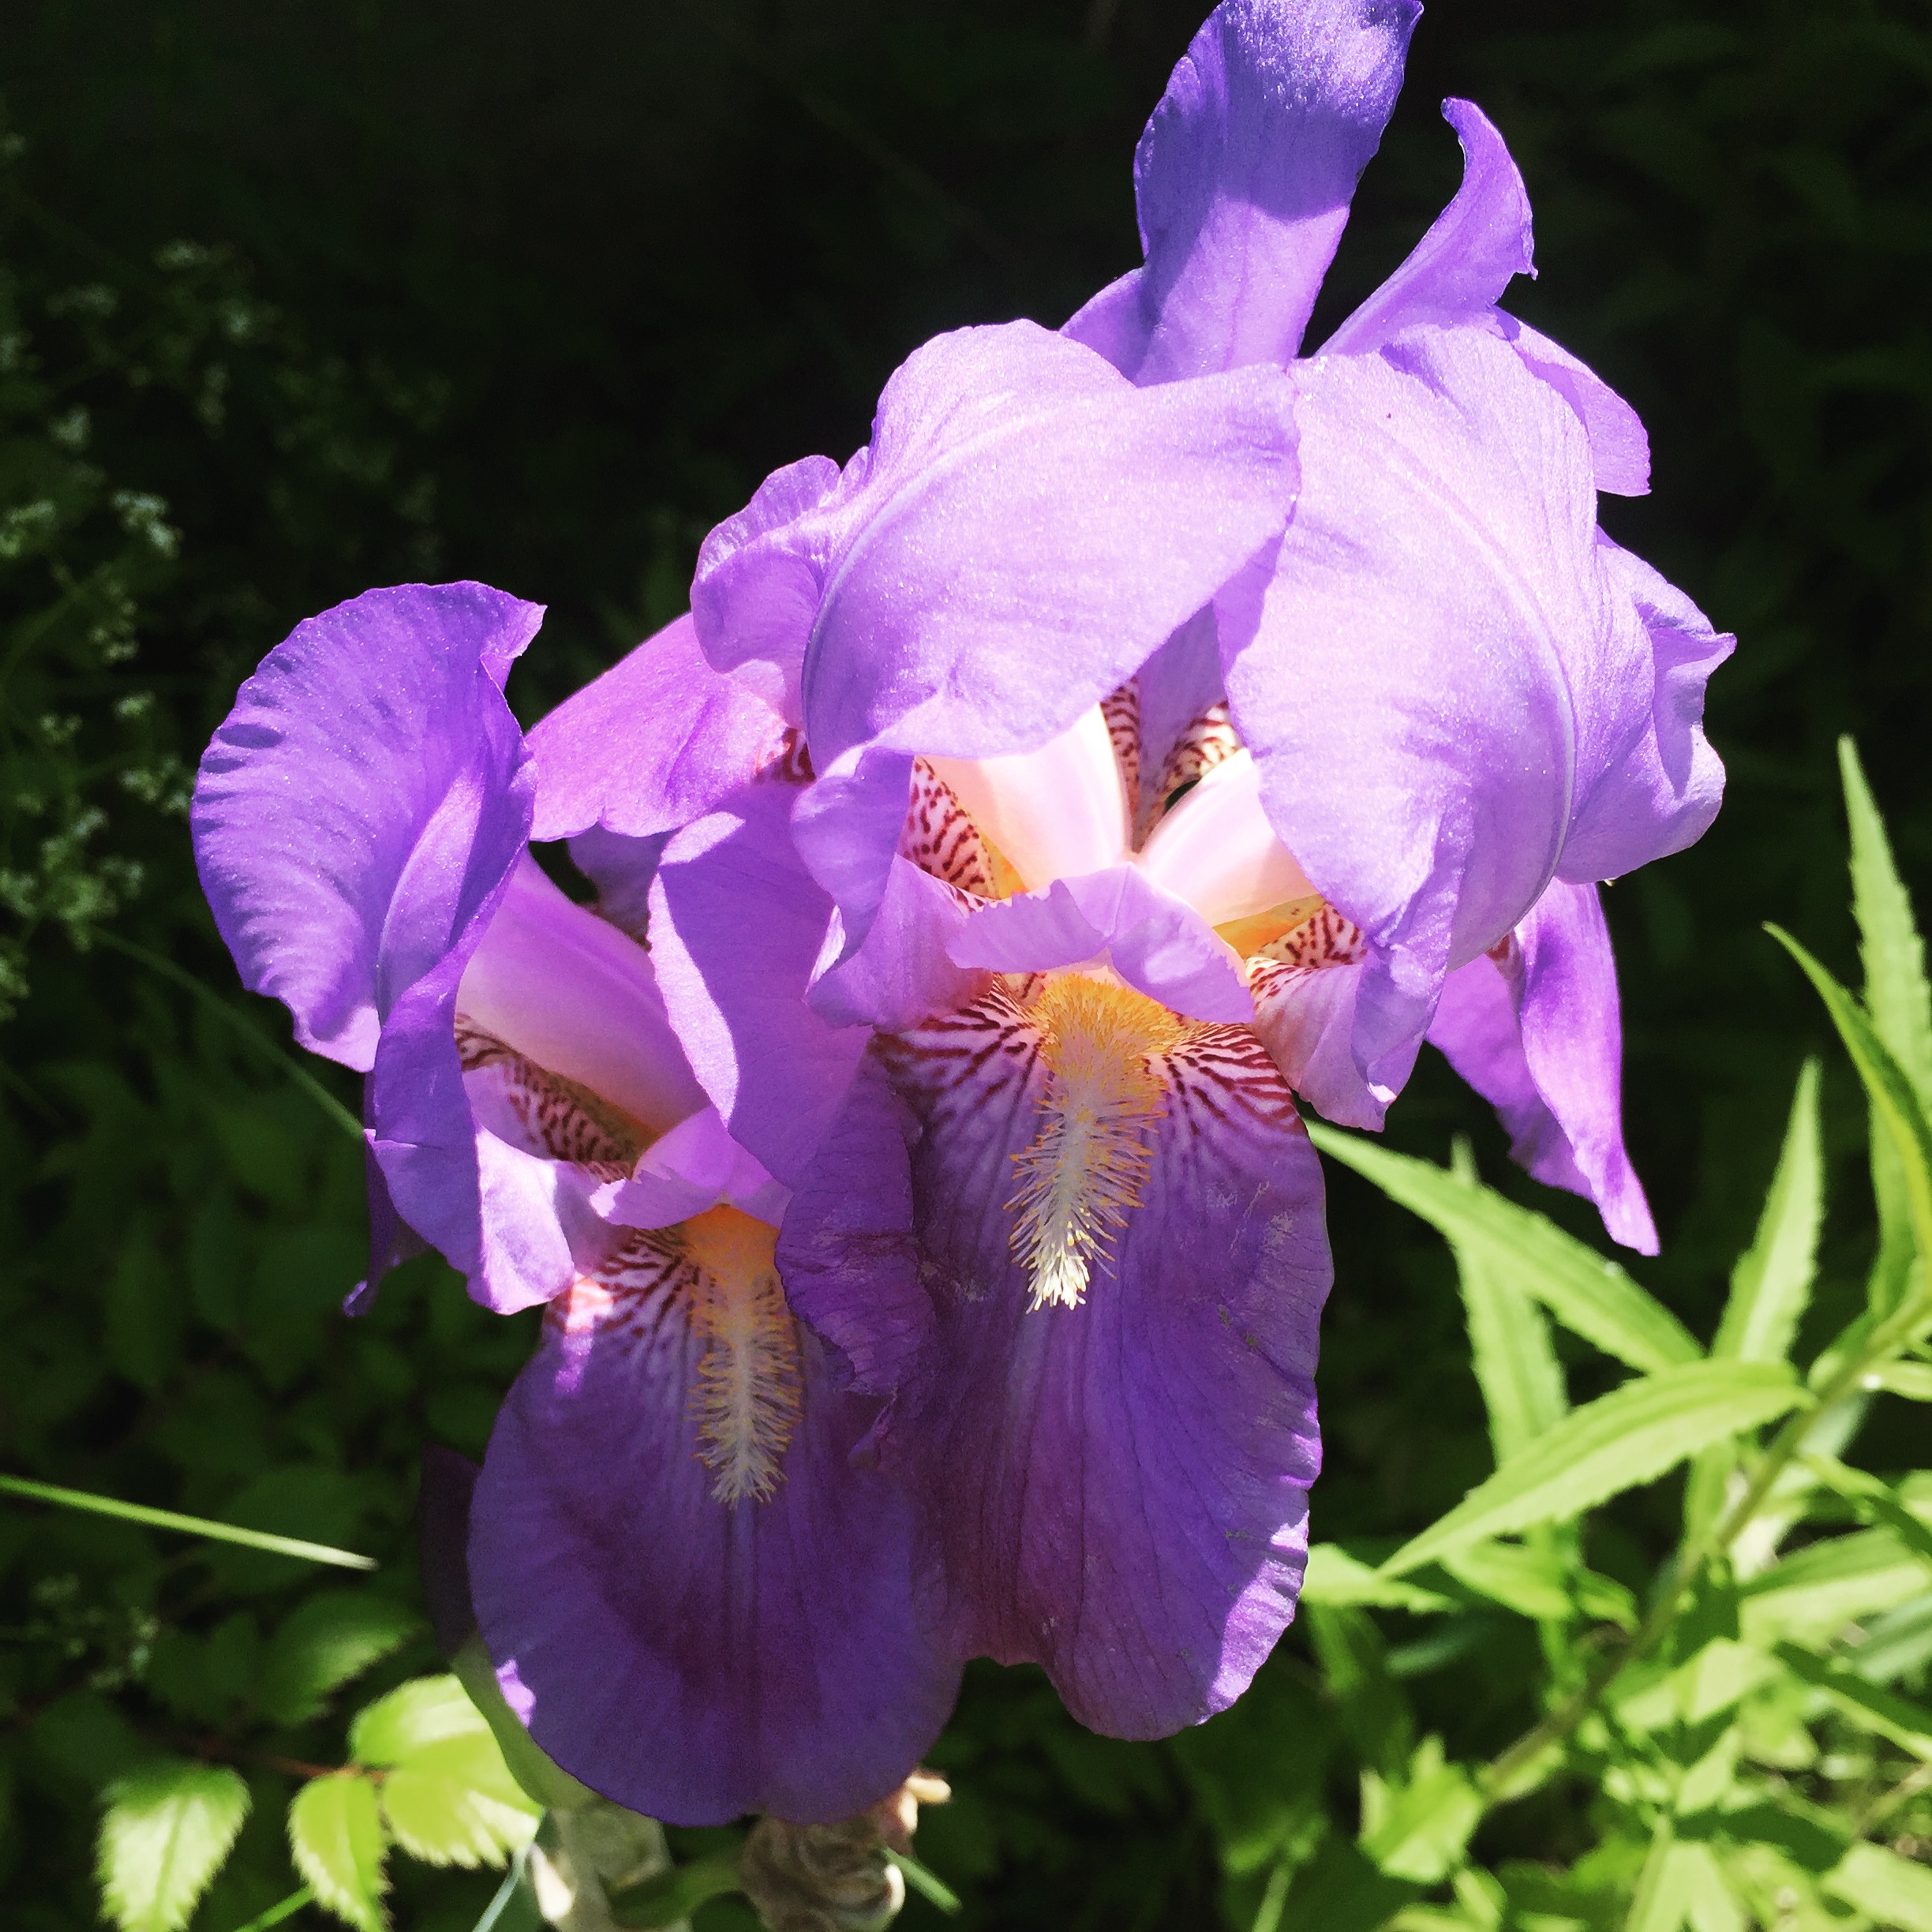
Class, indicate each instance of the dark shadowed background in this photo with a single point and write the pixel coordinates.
(297, 298)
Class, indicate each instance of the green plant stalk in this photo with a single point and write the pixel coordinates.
(1890, 1337)
(187, 1526)
(286, 1909)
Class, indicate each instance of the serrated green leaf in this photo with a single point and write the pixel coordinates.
(166, 1833)
(333, 1637)
(1814, 1592)
(336, 1835)
(1516, 1367)
(1883, 1712)
(1630, 1437)
(454, 1804)
(1895, 1891)
(1427, 1826)
(1334, 1576)
(1541, 1584)
(1896, 997)
(424, 1711)
(1875, 1501)
(1589, 1295)
(1771, 1282)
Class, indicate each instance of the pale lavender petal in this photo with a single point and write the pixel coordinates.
(737, 925)
(1656, 788)
(694, 1167)
(1409, 693)
(359, 808)
(1175, 687)
(659, 740)
(903, 971)
(1244, 178)
(690, 1659)
(1535, 1030)
(1305, 1016)
(1619, 447)
(1457, 271)
(622, 869)
(1153, 940)
(1116, 1490)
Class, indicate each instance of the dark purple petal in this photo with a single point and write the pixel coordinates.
(1429, 656)
(363, 803)
(659, 740)
(737, 925)
(1117, 1490)
(1154, 941)
(1458, 271)
(694, 1659)
(1244, 178)
(1536, 1031)
(1656, 789)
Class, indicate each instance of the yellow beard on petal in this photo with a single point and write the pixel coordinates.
(1084, 1172)
(748, 1393)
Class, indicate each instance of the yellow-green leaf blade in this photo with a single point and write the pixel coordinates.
(1622, 1439)
(165, 1834)
(336, 1835)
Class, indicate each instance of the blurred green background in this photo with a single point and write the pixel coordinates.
(301, 298)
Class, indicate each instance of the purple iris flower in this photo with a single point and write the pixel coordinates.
(1179, 723)
(696, 1603)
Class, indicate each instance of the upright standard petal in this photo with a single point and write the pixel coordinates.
(1408, 695)
(362, 804)
(1113, 1487)
(658, 740)
(1535, 1028)
(694, 1646)
(1243, 178)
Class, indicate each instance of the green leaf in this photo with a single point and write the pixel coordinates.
(1539, 1584)
(1893, 1100)
(1874, 1501)
(424, 1711)
(336, 1835)
(1883, 1712)
(1593, 1296)
(1771, 1284)
(167, 1832)
(1334, 1576)
(1896, 1892)
(675, 1894)
(332, 1637)
(1814, 1592)
(1428, 1824)
(1630, 1437)
(1897, 998)
(548, 1783)
(454, 1804)
(1659, 1903)
(1912, 1379)
(1516, 1367)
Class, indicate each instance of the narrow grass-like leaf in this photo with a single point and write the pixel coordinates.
(283, 1909)
(336, 1835)
(1911, 1379)
(1889, 948)
(165, 1834)
(1593, 1296)
(1516, 1366)
(1771, 1282)
(1884, 1713)
(1630, 1437)
(926, 1883)
(1874, 1501)
(1333, 1576)
(1891, 1092)
(187, 1526)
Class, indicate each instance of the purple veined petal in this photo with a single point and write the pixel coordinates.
(1217, 851)
(1457, 271)
(1030, 527)
(1054, 811)
(689, 1657)
(737, 927)
(1154, 942)
(1536, 1031)
(760, 576)
(1115, 1489)
(694, 1168)
(659, 740)
(360, 805)
(568, 990)
(1654, 787)
(1409, 693)
(1243, 178)
(1180, 681)
(1619, 447)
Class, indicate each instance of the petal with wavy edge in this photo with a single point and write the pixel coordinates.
(696, 1166)
(1535, 1030)
(1116, 1490)
(1243, 178)
(357, 810)
(1619, 447)
(1408, 693)
(659, 740)
(737, 925)
(689, 1659)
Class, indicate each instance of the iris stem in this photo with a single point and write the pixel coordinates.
(926, 1883)
(275, 1914)
(187, 1526)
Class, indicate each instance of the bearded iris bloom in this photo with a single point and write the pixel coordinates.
(694, 1602)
